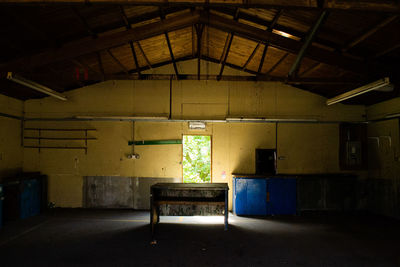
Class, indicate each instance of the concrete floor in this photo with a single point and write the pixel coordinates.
(122, 238)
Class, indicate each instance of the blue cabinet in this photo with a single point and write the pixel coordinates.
(264, 196)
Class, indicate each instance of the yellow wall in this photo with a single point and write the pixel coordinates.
(306, 148)
(384, 158)
(10, 137)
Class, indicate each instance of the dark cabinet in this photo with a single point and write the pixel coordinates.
(264, 196)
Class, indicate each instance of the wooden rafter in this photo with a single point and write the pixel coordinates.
(83, 47)
(128, 26)
(123, 68)
(278, 63)
(280, 42)
(144, 55)
(228, 44)
(100, 62)
(310, 81)
(199, 32)
(251, 56)
(387, 51)
(84, 22)
(366, 5)
(270, 27)
(368, 33)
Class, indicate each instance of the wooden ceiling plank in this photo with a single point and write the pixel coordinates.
(277, 63)
(310, 69)
(307, 42)
(369, 32)
(280, 42)
(83, 47)
(117, 61)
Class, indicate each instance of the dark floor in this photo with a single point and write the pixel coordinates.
(122, 238)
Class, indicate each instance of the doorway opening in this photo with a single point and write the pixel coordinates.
(196, 162)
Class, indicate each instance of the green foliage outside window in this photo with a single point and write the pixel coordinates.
(196, 159)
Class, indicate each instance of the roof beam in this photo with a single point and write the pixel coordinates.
(128, 26)
(228, 44)
(83, 47)
(251, 56)
(117, 61)
(387, 51)
(310, 81)
(171, 53)
(277, 63)
(364, 5)
(368, 33)
(226, 54)
(269, 30)
(280, 42)
(144, 55)
(199, 32)
(307, 42)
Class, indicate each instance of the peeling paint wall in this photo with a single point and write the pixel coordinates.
(10, 137)
(306, 148)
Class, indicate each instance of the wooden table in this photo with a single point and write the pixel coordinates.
(187, 194)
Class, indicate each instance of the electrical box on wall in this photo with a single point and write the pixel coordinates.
(353, 146)
(353, 153)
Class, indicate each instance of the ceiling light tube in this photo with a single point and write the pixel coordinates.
(268, 120)
(35, 86)
(380, 85)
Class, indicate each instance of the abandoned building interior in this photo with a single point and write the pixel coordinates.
(200, 133)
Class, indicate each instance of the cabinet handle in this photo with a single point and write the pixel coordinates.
(267, 196)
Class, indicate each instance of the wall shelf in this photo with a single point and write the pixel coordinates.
(39, 138)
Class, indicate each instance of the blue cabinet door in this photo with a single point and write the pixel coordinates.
(240, 196)
(249, 196)
(256, 196)
(282, 196)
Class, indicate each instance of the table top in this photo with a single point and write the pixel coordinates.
(192, 186)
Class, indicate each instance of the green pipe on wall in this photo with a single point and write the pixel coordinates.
(155, 142)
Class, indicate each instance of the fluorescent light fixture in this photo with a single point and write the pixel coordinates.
(35, 86)
(389, 116)
(382, 85)
(268, 120)
(197, 125)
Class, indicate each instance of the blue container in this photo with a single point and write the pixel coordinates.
(264, 196)
(30, 198)
(1, 205)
